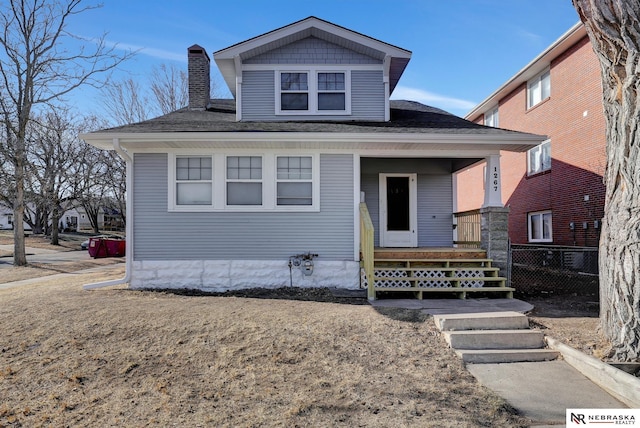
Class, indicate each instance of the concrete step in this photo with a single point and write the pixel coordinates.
(482, 321)
(496, 356)
(495, 339)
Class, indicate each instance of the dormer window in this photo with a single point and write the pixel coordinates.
(314, 92)
(331, 91)
(294, 91)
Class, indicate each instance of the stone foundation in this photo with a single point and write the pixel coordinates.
(224, 275)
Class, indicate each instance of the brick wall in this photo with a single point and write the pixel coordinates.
(573, 119)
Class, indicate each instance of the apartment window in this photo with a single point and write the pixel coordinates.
(331, 91)
(491, 118)
(244, 180)
(539, 158)
(194, 182)
(294, 91)
(538, 89)
(540, 229)
(294, 180)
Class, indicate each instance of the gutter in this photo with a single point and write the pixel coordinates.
(129, 227)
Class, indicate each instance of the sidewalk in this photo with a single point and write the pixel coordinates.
(540, 391)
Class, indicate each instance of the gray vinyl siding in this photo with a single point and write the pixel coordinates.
(258, 98)
(312, 51)
(258, 95)
(435, 211)
(163, 235)
(434, 198)
(367, 95)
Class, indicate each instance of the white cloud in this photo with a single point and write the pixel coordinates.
(429, 98)
(152, 52)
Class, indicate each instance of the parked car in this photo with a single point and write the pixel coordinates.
(85, 244)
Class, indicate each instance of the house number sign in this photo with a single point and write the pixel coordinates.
(496, 178)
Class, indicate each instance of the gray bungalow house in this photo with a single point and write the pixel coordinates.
(306, 174)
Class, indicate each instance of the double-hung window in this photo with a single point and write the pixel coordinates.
(313, 92)
(540, 229)
(294, 91)
(194, 183)
(539, 158)
(244, 180)
(331, 91)
(294, 180)
(538, 89)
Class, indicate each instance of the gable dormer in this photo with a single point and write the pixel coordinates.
(312, 70)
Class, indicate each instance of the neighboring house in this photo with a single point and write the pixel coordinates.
(6, 218)
(555, 191)
(68, 221)
(108, 220)
(229, 194)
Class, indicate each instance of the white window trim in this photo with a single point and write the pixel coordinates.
(240, 180)
(529, 234)
(315, 183)
(312, 90)
(219, 178)
(173, 204)
(539, 147)
(537, 80)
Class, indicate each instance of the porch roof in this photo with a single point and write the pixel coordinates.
(411, 122)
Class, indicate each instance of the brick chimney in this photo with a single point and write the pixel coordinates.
(199, 69)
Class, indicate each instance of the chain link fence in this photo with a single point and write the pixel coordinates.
(550, 269)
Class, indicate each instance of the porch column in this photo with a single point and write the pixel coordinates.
(494, 235)
(492, 183)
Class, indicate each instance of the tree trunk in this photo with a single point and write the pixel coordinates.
(55, 221)
(613, 27)
(19, 250)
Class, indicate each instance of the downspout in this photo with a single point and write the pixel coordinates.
(129, 227)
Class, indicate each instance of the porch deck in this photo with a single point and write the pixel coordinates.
(457, 271)
(429, 253)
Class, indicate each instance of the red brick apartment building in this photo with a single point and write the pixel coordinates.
(555, 191)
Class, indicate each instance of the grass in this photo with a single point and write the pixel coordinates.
(115, 357)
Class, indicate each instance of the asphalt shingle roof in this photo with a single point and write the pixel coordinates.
(407, 117)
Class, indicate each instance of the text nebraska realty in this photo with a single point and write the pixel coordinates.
(579, 418)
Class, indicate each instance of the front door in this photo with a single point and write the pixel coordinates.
(398, 210)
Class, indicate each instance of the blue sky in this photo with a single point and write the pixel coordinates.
(462, 50)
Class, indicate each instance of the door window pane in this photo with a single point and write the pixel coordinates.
(398, 203)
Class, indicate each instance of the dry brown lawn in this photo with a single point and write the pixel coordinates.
(115, 357)
(37, 270)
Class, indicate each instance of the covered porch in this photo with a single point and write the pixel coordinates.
(411, 238)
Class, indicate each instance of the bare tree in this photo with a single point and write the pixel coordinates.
(53, 149)
(170, 88)
(36, 69)
(613, 27)
(125, 102)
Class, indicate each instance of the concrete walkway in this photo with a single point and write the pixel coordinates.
(456, 306)
(543, 391)
(540, 391)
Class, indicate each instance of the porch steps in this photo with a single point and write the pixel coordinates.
(496, 337)
(437, 271)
